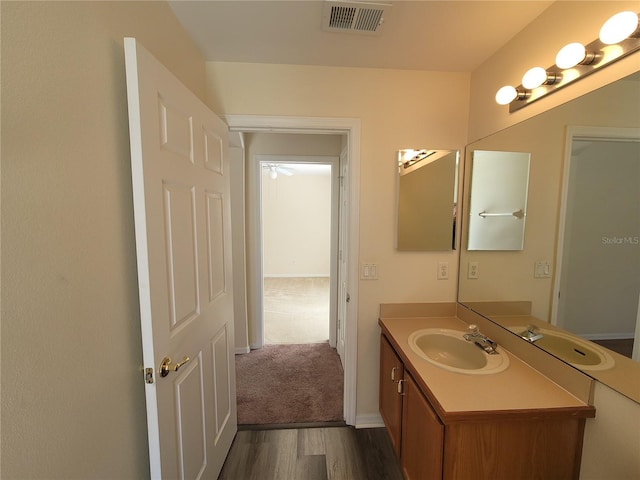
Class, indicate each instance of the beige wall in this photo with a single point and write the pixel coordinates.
(72, 389)
(611, 440)
(397, 109)
(563, 22)
(296, 214)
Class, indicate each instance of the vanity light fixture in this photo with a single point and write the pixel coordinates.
(574, 54)
(508, 94)
(619, 37)
(537, 76)
(409, 156)
(619, 27)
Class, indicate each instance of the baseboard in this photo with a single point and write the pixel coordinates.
(607, 336)
(297, 275)
(242, 350)
(369, 421)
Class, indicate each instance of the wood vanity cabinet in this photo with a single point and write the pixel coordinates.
(391, 372)
(529, 444)
(411, 422)
(422, 435)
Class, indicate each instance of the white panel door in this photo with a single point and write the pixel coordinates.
(183, 240)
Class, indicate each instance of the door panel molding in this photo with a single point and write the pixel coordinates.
(191, 418)
(183, 252)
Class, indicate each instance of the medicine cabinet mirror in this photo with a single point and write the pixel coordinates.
(427, 192)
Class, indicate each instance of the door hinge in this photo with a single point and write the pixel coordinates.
(148, 375)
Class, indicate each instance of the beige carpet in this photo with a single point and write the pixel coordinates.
(296, 310)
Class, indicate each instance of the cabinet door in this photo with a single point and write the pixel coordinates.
(422, 436)
(391, 372)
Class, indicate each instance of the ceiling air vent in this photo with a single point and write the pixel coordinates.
(354, 17)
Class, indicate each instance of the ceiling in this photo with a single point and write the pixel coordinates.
(452, 36)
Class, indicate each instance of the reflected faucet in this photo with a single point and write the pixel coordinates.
(531, 334)
(486, 344)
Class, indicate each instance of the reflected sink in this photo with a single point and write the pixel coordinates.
(447, 349)
(580, 353)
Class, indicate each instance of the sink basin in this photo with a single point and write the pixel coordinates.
(580, 353)
(448, 349)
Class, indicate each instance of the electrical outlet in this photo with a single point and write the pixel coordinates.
(472, 271)
(443, 270)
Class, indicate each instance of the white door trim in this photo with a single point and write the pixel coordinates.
(320, 125)
(575, 132)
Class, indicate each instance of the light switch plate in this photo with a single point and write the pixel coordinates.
(542, 270)
(369, 271)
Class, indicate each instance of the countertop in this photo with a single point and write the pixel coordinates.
(620, 377)
(456, 396)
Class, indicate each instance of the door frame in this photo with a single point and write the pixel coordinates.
(575, 132)
(324, 125)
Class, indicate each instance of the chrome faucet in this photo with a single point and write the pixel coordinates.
(474, 335)
(531, 334)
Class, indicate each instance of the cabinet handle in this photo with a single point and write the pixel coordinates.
(401, 387)
(393, 374)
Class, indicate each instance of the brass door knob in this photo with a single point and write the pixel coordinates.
(166, 366)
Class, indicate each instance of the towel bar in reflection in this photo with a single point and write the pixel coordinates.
(519, 214)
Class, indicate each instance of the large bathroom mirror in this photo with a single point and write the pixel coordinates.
(582, 231)
(427, 192)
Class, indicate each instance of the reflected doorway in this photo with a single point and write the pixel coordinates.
(599, 288)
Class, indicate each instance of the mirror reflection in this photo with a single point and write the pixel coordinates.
(498, 200)
(427, 193)
(565, 247)
(599, 299)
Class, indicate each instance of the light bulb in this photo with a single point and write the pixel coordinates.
(534, 77)
(570, 55)
(618, 27)
(506, 95)
(408, 155)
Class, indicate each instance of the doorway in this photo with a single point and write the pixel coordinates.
(597, 295)
(299, 230)
(347, 275)
(295, 376)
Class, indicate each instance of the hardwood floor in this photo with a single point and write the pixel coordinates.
(623, 346)
(333, 453)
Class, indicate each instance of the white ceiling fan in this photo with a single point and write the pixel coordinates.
(275, 168)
